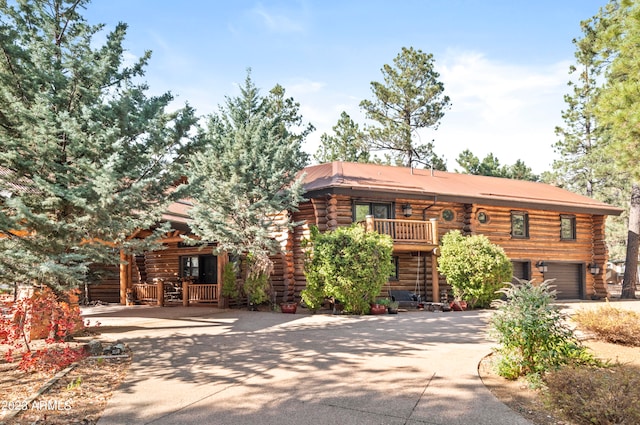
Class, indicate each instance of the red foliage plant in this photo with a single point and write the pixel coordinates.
(42, 316)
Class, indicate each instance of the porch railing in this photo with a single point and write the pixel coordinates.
(203, 292)
(145, 291)
(405, 231)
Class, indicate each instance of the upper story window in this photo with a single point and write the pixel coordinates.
(448, 215)
(362, 209)
(567, 227)
(483, 217)
(519, 224)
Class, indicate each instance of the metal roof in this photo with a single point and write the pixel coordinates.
(385, 180)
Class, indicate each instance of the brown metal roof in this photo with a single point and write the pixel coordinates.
(349, 177)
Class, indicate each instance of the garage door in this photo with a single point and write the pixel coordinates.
(521, 270)
(568, 280)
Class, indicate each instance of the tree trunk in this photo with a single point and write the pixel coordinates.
(631, 261)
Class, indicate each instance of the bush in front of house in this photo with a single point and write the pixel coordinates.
(474, 267)
(347, 264)
(595, 396)
(610, 324)
(531, 332)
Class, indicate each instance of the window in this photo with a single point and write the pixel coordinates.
(567, 227)
(362, 209)
(483, 217)
(519, 224)
(448, 215)
(200, 268)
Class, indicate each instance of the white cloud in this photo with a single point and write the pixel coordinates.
(277, 22)
(506, 109)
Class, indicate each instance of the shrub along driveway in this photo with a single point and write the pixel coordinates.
(208, 366)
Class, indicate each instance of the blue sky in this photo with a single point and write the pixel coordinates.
(504, 64)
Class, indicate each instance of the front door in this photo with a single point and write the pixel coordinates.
(200, 268)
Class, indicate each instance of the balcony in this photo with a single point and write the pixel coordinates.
(407, 235)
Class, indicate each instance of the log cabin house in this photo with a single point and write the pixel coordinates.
(547, 232)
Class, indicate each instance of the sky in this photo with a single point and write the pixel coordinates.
(504, 63)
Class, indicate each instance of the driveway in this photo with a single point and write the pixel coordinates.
(207, 366)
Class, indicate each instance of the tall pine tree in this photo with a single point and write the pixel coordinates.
(86, 157)
(410, 98)
(618, 110)
(347, 143)
(247, 175)
(584, 165)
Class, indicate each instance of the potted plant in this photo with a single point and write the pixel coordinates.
(288, 307)
(379, 306)
(392, 308)
(458, 303)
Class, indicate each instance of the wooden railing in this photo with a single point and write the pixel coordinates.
(195, 292)
(145, 291)
(203, 292)
(405, 231)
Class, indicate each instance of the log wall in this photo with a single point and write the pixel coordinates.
(544, 241)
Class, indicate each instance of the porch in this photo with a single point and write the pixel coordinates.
(407, 235)
(162, 293)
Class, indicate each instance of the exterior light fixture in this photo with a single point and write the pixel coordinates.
(594, 269)
(407, 210)
(542, 266)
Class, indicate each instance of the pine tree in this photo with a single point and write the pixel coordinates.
(347, 143)
(584, 165)
(87, 158)
(618, 110)
(490, 166)
(248, 174)
(410, 98)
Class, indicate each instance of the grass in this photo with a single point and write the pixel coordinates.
(599, 395)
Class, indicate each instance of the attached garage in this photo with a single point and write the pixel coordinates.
(569, 279)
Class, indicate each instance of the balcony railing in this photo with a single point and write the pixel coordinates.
(409, 234)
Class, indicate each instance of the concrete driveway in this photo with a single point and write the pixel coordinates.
(208, 366)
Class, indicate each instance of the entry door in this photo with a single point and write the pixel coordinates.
(200, 268)
(209, 269)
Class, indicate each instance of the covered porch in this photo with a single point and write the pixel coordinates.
(414, 238)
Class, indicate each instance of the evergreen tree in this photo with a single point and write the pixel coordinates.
(490, 166)
(410, 98)
(618, 109)
(87, 158)
(248, 174)
(347, 145)
(584, 166)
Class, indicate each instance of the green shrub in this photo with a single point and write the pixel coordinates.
(610, 324)
(348, 264)
(595, 396)
(230, 287)
(257, 288)
(531, 334)
(474, 267)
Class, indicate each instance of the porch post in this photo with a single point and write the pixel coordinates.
(185, 292)
(434, 230)
(125, 276)
(160, 291)
(435, 277)
(369, 227)
(435, 284)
